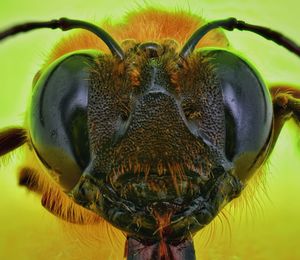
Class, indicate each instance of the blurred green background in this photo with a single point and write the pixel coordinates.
(268, 230)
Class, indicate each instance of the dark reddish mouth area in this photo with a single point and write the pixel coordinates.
(157, 207)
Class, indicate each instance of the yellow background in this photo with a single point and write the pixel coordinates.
(268, 228)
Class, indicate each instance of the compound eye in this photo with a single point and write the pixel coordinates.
(248, 109)
(58, 117)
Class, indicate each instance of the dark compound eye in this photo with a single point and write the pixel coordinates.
(248, 109)
(58, 117)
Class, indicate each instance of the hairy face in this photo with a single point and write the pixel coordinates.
(157, 138)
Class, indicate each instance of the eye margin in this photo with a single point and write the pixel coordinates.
(246, 154)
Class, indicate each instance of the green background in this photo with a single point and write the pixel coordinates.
(270, 230)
